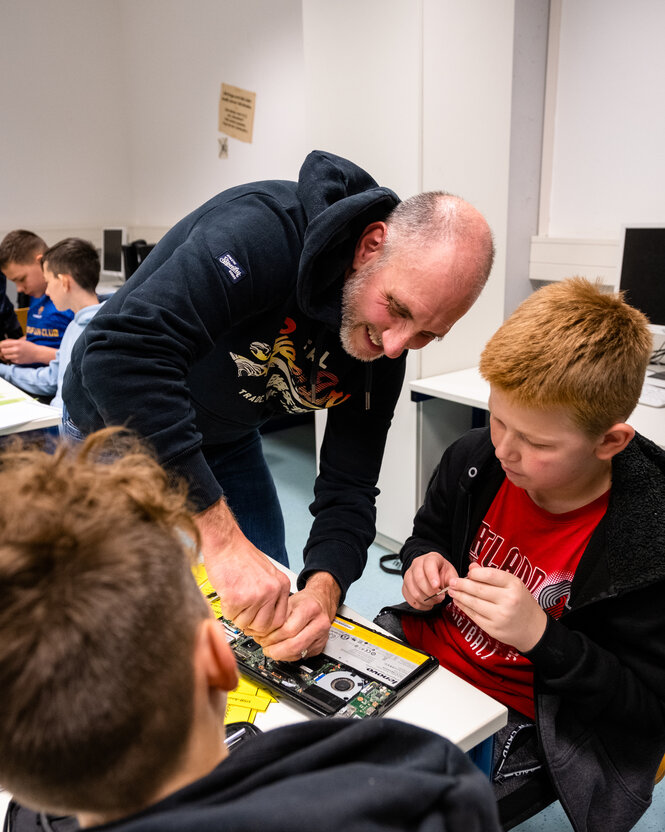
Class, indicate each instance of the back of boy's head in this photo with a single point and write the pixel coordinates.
(98, 615)
(573, 346)
(76, 257)
(21, 247)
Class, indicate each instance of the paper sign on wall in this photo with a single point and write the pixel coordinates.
(236, 112)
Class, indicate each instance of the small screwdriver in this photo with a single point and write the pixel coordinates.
(440, 592)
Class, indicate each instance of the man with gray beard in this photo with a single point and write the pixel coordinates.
(280, 297)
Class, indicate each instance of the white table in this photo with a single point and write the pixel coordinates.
(19, 412)
(442, 703)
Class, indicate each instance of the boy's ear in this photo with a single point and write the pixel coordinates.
(614, 440)
(66, 280)
(370, 243)
(214, 657)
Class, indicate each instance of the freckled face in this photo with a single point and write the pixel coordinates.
(541, 451)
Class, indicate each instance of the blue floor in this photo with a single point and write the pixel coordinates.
(290, 454)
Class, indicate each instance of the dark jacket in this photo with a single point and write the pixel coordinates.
(599, 671)
(9, 325)
(234, 317)
(329, 776)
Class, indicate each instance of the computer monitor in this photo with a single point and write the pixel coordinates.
(642, 272)
(113, 240)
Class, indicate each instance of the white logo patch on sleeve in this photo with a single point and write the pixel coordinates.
(231, 266)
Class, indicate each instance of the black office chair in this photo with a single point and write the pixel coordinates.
(134, 254)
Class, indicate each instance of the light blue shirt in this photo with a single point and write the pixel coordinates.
(47, 380)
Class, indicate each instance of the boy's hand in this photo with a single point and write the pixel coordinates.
(21, 351)
(427, 575)
(10, 349)
(499, 602)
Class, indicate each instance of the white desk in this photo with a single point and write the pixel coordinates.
(442, 703)
(23, 413)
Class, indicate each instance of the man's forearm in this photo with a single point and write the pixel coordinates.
(218, 527)
(327, 590)
(253, 592)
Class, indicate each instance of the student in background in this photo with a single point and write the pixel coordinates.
(71, 271)
(114, 674)
(20, 260)
(9, 324)
(535, 570)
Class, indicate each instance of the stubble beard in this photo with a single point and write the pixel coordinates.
(351, 322)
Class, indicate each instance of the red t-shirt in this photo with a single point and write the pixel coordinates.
(542, 549)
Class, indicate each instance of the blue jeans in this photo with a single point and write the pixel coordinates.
(68, 429)
(240, 468)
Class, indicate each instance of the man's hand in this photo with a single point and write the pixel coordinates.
(307, 625)
(253, 592)
(21, 351)
(425, 578)
(499, 602)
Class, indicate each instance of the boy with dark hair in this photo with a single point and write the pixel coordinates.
(536, 561)
(71, 271)
(114, 673)
(21, 262)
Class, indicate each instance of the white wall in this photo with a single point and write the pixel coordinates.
(176, 56)
(468, 64)
(363, 85)
(109, 108)
(608, 162)
(526, 143)
(64, 151)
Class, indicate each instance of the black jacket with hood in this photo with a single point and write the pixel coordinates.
(599, 670)
(234, 317)
(332, 775)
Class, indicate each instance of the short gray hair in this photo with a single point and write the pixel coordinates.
(440, 218)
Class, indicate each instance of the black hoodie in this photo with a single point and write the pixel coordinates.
(599, 670)
(333, 775)
(235, 317)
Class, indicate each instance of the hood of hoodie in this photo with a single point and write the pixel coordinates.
(638, 491)
(340, 200)
(331, 775)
